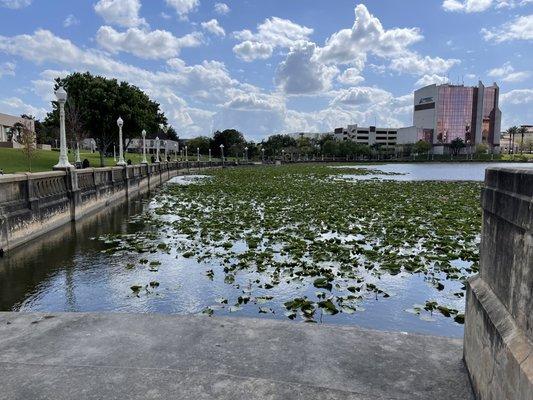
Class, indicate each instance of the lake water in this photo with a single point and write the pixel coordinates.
(67, 271)
(432, 171)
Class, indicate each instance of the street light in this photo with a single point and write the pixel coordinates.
(198, 154)
(186, 156)
(157, 149)
(246, 154)
(209, 155)
(263, 155)
(120, 124)
(144, 161)
(61, 96)
(222, 153)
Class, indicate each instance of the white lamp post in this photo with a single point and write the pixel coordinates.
(283, 154)
(114, 154)
(157, 149)
(78, 156)
(120, 124)
(263, 156)
(222, 153)
(209, 155)
(166, 150)
(61, 96)
(246, 154)
(198, 154)
(186, 156)
(144, 161)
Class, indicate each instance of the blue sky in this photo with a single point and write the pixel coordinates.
(270, 66)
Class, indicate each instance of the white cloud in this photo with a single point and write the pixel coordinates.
(517, 96)
(120, 12)
(71, 20)
(183, 7)
(472, 6)
(214, 27)
(272, 33)
(250, 51)
(7, 68)
(506, 73)
(15, 4)
(413, 63)
(16, 106)
(351, 76)
(367, 35)
(222, 8)
(356, 96)
(302, 73)
(521, 28)
(467, 6)
(145, 44)
(430, 80)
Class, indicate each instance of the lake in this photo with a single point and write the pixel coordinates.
(288, 243)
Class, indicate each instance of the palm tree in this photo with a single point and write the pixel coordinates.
(511, 132)
(522, 131)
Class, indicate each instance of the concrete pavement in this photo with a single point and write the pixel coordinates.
(149, 356)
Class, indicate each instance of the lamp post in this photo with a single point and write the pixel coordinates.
(263, 155)
(166, 150)
(144, 161)
(209, 155)
(283, 154)
(120, 124)
(61, 96)
(78, 157)
(222, 153)
(246, 154)
(157, 149)
(186, 156)
(198, 154)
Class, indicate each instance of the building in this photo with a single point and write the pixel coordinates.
(370, 135)
(446, 112)
(9, 136)
(166, 143)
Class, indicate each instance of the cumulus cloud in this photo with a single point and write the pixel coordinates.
(301, 73)
(15, 4)
(507, 73)
(222, 8)
(351, 76)
(183, 7)
(16, 106)
(520, 28)
(431, 79)
(415, 64)
(517, 96)
(472, 6)
(249, 51)
(367, 35)
(145, 44)
(214, 27)
(272, 33)
(120, 12)
(356, 96)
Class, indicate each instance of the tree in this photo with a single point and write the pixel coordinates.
(275, 143)
(456, 145)
(481, 148)
(421, 147)
(522, 131)
(511, 132)
(201, 142)
(27, 139)
(232, 139)
(100, 101)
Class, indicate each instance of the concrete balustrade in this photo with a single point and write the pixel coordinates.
(498, 344)
(33, 204)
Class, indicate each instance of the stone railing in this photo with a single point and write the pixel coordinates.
(33, 204)
(499, 306)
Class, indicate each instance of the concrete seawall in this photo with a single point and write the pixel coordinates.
(34, 204)
(498, 348)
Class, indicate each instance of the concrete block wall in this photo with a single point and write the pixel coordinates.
(498, 344)
(34, 204)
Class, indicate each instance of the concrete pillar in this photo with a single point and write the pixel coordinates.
(498, 343)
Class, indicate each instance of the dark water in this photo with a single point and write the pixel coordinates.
(67, 271)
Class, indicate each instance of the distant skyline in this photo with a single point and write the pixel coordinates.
(277, 66)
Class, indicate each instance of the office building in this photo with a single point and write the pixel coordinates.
(446, 112)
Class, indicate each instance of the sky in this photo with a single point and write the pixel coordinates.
(270, 66)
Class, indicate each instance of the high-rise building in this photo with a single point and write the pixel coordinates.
(445, 112)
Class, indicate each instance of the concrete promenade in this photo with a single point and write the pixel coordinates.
(127, 356)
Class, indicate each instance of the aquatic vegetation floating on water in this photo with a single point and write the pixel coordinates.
(299, 225)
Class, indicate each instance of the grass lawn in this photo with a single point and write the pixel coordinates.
(14, 160)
